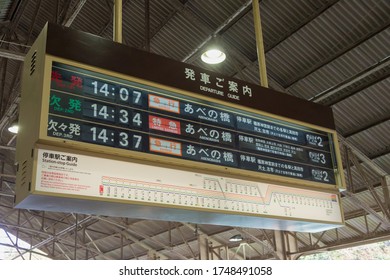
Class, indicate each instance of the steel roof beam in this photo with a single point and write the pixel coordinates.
(295, 29)
(381, 154)
(140, 243)
(66, 22)
(373, 74)
(372, 190)
(63, 232)
(123, 229)
(23, 249)
(373, 213)
(212, 239)
(361, 129)
(76, 10)
(346, 243)
(40, 233)
(260, 242)
(12, 55)
(361, 156)
(335, 56)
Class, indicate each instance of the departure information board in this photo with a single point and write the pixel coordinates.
(91, 107)
(116, 131)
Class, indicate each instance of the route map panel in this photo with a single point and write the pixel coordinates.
(80, 175)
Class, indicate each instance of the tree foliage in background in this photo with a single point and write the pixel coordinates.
(377, 251)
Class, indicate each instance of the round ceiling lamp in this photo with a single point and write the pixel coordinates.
(14, 127)
(236, 238)
(213, 56)
(214, 53)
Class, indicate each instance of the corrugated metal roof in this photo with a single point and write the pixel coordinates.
(5, 6)
(241, 37)
(384, 161)
(323, 37)
(213, 13)
(382, 139)
(174, 38)
(346, 66)
(363, 109)
(93, 18)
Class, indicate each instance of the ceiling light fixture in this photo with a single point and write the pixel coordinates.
(14, 127)
(214, 53)
(236, 238)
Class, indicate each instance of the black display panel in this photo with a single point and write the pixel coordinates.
(192, 131)
(192, 151)
(286, 169)
(282, 132)
(94, 133)
(90, 107)
(287, 151)
(71, 105)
